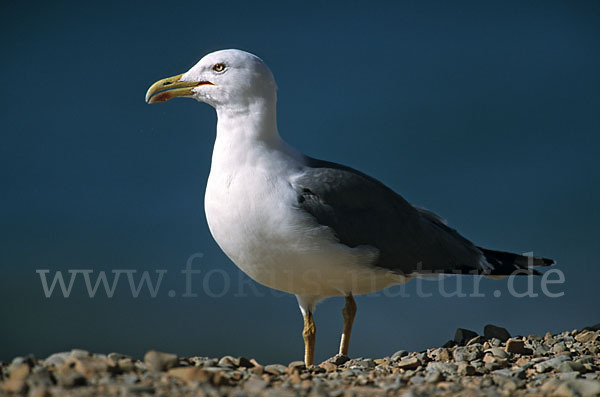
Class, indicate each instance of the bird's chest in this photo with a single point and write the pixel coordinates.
(248, 213)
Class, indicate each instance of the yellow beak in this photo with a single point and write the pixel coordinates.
(170, 88)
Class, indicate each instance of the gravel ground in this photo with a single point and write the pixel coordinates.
(492, 364)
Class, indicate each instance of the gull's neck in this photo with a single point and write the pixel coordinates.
(249, 124)
(247, 136)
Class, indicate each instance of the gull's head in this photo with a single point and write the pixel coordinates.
(231, 78)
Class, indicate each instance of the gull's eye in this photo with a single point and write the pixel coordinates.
(219, 67)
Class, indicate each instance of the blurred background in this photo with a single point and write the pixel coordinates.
(487, 113)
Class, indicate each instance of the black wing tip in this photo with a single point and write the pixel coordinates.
(507, 263)
(546, 262)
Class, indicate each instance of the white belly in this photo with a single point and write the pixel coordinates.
(252, 217)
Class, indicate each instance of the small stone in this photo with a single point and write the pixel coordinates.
(493, 331)
(465, 369)
(367, 363)
(517, 346)
(190, 374)
(442, 354)
(296, 366)
(568, 375)
(19, 371)
(257, 370)
(493, 363)
(417, 380)
(80, 353)
(328, 366)
(578, 387)
(40, 377)
(549, 364)
(468, 353)
(115, 357)
(569, 366)
(408, 363)
(243, 362)
(130, 379)
(57, 359)
(587, 337)
(339, 359)
(70, 378)
(159, 361)
(228, 361)
(462, 336)
(559, 347)
(434, 376)
(478, 339)
(126, 364)
(444, 368)
(498, 352)
(88, 366)
(275, 369)
(585, 359)
(29, 360)
(540, 350)
(399, 354)
(489, 358)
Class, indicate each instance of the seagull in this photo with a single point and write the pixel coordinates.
(309, 227)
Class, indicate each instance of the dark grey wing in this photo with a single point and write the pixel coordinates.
(363, 211)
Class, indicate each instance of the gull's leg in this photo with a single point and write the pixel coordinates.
(349, 312)
(309, 333)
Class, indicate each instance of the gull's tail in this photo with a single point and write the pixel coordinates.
(507, 263)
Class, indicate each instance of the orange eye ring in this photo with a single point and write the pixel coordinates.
(219, 67)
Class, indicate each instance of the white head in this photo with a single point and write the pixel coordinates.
(230, 79)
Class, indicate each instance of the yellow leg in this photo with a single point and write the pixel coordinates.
(309, 334)
(349, 312)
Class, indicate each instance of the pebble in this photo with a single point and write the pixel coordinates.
(408, 363)
(569, 366)
(498, 352)
(399, 354)
(57, 359)
(517, 346)
(441, 354)
(577, 387)
(493, 331)
(275, 369)
(328, 366)
(468, 353)
(462, 336)
(465, 369)
(191, 374)
(159, 361)
(587, 337)
(550, 363)
(339, 359)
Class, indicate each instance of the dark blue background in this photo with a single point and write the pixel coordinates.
(487, 113)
